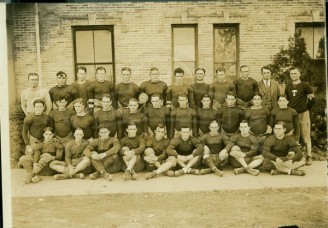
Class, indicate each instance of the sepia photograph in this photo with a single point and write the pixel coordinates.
(164, 113)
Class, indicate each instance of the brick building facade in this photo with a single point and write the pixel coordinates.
(46, 38)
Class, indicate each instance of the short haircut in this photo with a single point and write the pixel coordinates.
(107, 95)
(133, 100)
(206, 95)
(102, 126)
(62, 74)
(178, 70)
(214, 122)
(265, 68)
(153, 69)
(282, 123)
(126, 69)
(32, 74)
(79, 100)
(182, 95)
(131, 124)
(44, 130)
(82, 68)
(39, 101)
(160, 126)
(60, 97)
(200, 69)
(243, 66)
(156, 95)
(244, 121)
(231, 93)
(257, 94)
(220, 69)
(186, 126)
(295, 68)
(78, 129)
(100, 68)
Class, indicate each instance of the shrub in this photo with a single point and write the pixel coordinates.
(16, 119)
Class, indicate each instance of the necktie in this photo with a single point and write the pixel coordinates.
(267, 83)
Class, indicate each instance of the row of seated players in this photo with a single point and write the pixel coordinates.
(184, 154)
(64, 120)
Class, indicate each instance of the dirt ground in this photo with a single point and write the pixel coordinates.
(304, 207)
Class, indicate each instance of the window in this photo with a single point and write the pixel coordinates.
(226, 37)
(314, 37)
(184, 50)
(93, 47)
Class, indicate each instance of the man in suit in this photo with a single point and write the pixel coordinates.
(269, 89)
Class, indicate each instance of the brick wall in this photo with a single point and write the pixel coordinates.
(142, 33)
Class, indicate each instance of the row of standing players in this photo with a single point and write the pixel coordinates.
(228, 115)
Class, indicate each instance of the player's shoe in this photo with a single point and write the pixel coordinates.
(133, 175)
(61, 176)
(297, 172)
(94, 176)
(274, 172)
(237, 171)
(79, 175)
(127, 175)
(28, 178)
(252, 171)
(309, 160)
(108, 176)
(179, 172)
(205, 171)
(194, 171)
(151, 175)
(218, 172)
(169, 173)
(36, 179)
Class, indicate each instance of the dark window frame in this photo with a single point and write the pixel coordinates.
(228, 25)
(193, 25)
(93, 28)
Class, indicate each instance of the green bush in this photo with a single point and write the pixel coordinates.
(16, 119)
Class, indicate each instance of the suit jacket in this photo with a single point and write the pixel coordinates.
(274, 92)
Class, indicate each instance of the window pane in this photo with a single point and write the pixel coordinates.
(230, 70)
(184, 44)
(225, 44)
(307, 34)
(319, 42)
(103, 46)
(189, 69)
(84, 47)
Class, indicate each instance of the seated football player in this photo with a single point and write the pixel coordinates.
(132, 148)
(216, 147)
(155, 157)
(75, 161)
(187, 150)
(282, 154)
(243, 155)
(103, 153)
(44, 153)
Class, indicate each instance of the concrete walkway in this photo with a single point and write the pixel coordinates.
(316, 177)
